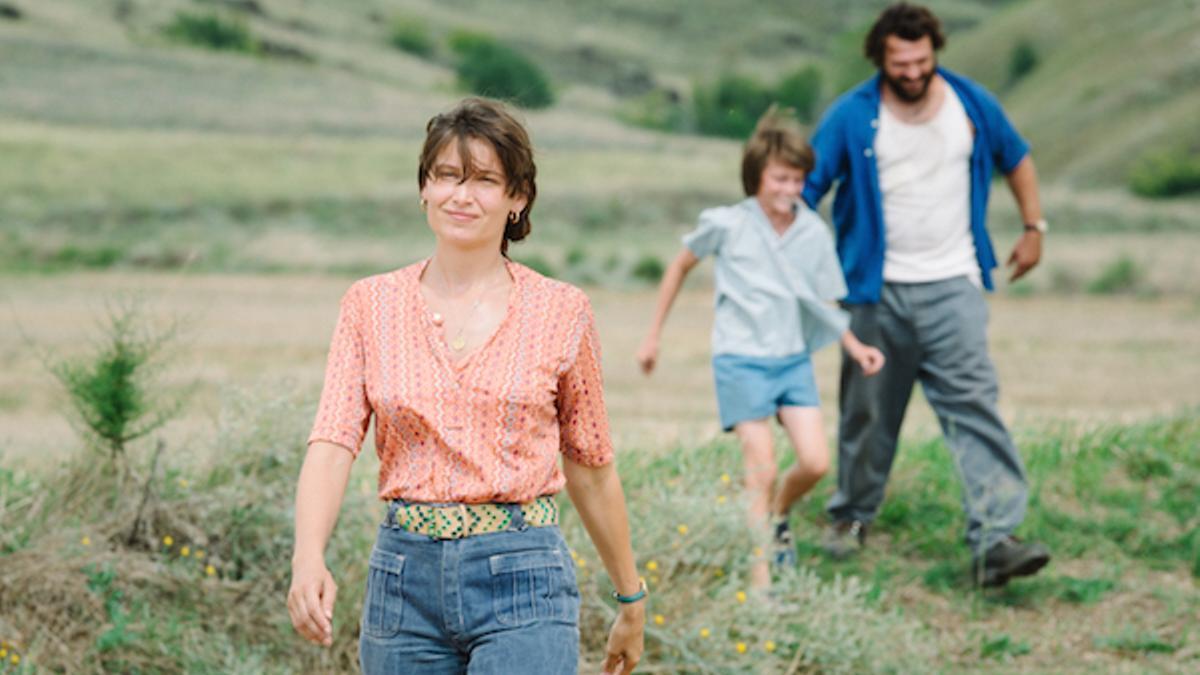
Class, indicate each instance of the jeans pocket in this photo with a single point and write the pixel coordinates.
(384, 606)
(528, 586)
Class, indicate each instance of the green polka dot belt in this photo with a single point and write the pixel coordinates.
(455, 521)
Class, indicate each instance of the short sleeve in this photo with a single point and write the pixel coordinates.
(582, 418)
(344, 412)
(708, 236)
(830, 280)
(1007, 146)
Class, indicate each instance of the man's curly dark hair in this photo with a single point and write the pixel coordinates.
(906, 21)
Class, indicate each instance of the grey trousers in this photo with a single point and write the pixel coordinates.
(936, 334)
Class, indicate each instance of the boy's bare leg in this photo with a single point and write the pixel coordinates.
(807, 434)
(758, 457)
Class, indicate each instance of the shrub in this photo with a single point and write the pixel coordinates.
(800, 91)
(661, 110)
(576, 256)
(211, 31)
(488, 68)
(412, 36)
(1022, 60)
(1120, 276)
(109, 391)
(648, 268)
(731, 107)
(1166, 174)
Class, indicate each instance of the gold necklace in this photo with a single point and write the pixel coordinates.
(459, 341)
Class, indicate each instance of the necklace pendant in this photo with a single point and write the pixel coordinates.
(458, 343)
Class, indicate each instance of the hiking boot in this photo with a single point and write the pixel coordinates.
(844, 539)
(1010, 557)
(783, 547)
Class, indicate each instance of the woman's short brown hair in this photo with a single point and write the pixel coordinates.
(486, 120)
(905, 21)
(776, 137)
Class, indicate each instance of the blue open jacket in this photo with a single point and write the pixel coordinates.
(844, 143)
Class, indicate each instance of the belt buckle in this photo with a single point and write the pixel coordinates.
(461, 511)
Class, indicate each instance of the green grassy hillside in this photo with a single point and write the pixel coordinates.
(122, 146)
(1116, 79)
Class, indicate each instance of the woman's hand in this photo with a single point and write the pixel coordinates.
(310, 601)
(625, 640)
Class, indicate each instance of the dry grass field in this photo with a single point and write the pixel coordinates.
(1061, 357)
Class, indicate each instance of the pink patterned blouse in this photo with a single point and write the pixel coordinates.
(487, 428)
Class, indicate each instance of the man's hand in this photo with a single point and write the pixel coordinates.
(1026, 254)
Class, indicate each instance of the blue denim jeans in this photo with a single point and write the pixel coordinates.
(505, 602)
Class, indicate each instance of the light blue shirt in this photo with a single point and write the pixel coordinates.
(773, 293)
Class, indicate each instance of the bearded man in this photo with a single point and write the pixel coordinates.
(912, 152)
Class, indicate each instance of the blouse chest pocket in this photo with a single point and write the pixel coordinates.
(528, 406)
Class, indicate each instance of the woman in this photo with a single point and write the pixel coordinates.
(480, 373)
(776, 273)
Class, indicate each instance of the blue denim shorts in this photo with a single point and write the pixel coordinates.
(505, 602)
(756, 387)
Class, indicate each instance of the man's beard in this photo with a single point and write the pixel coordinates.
(897, 87)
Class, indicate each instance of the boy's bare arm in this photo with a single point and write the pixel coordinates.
(672, 281)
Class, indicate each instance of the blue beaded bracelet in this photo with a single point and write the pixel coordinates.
(626, 599)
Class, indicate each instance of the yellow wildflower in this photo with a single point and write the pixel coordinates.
(719, 573)
(721, 499)
(683, 529)
(758, 551)
(168, 541)
(183, 483)
(741, 647)
(741, 596)
(769, 646)
(3, 653)
(659, 620)
(210, 570)
(704, 632)
(654, 578)
(86, 541)
(185, 551)
(581, 562)
(652, 565)
(16, 658)
(725, 478)
(200, 554)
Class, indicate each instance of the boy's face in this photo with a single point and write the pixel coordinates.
(780, 187)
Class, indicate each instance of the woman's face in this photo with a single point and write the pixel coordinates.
(469, 211)
(780, 187)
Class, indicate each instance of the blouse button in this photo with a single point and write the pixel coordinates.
(437, 319)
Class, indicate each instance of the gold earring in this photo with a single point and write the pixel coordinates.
(424, 204)
(513, 217)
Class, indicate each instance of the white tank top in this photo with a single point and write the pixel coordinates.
(925, 180)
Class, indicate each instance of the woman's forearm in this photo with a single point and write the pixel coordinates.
(600, 502)
(319, 495)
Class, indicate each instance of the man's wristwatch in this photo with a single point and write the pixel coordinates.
(1040, 226)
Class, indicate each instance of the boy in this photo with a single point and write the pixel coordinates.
(776, 276)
